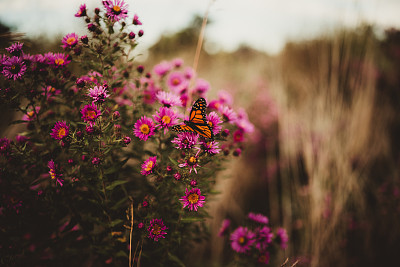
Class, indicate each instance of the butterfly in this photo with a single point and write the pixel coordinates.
(197, 122)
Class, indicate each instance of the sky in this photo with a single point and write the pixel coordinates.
(263, 24)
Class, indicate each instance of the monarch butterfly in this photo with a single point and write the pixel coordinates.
(197, 122)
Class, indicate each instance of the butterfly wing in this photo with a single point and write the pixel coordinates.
(198, 113)
(182, 128)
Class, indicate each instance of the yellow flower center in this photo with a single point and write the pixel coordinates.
(241, 240)
(91, 114)
(210, 123)
(176, 81)
(156, 229)
(149, 166)
(192, 160)
(116, 8)
(193, 198)
(145, 129)
(52, 174)
(51, 89)
(61, 133)
(166, 119)
(30, 114)
(71, 40)
(13, 67)
(59, 61)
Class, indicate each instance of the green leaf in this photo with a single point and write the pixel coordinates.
(175, 259)
(116, 167)
(173, 161)
(116, 222)
(115, 184)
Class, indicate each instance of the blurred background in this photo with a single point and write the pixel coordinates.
(320, 81)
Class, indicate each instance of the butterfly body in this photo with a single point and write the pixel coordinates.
(197, 122)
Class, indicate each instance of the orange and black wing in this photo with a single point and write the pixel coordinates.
(182, 128)
(198, 113)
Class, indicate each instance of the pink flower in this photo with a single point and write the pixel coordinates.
(211, 147)
(13, 68)
(54, 172)
(90, 113)
(15, 49)
(192, 163)
(116, 9)
(165, 118)
(214, 121)
(149, 165)
(243, 122)
(264, 257)
(263, 238)
(259, 218)
(202, 87)
(60, 130)
(162, 68)
(136, 20)
(176, 82)
(186, 140)
(168, 99)
(228, 114)
(98, 94)
(224, 227)
(144, 128)
(81, 12)
(242, 239)
(58, 60)
(193, 199)
(157, 229)
(282, 238)
(31, 115)
(70, 40)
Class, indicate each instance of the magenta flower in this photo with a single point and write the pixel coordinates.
(176, 82)
(186, 140)
(224, 227)
(162, 68)
(31, 115)
(90, 113)
(55, 172)
(238, 136)
(165, 118)
(144, 128)
(136, 20)
(243, 122)
(192, 163)
(214, 121)
(263, 238)
(98, 94)
(13, 68)
(264, 257)
(193, 199)
(60, 130)
(58, 60)
(228, 114)
(211, 147)
(282, 238)
(81, 12)
(259, 218)
(149, 165)
(157, 229)
(70, 40)
(202, 87)
(177, 62)
(15, 49)
(225, 98)
(168, 99)
(241, 239)
(116, 9)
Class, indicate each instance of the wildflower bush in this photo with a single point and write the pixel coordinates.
(97, 176)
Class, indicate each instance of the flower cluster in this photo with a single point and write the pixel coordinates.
(254, 241)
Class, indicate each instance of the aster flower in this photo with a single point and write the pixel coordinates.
(157, 229)
(224, 227)
(228, 114)
(165, 118)
(225, 98)
(176, 82)
(58, 60)
(242, 239)
(214, 121)
(162, 68)
(14, 68)
(201, 87)
(259, 218)
(211, 147)
(243, 122)
(168, 99)
(177, 176)
(90, 113)
(264, 257)
(136, 20)
(189, 73)
(144, 128)
(282, 238)
(30, 115)
(81, 12)
(263, 238)
(192, 163)
(60, 130)
(116, 9)
(149, 165)
(70, 40)
(193, 199)
(15, 49)
(238, 136)
(98, 94)
(186, 140)
(55, 172)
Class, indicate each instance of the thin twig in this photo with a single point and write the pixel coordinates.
(130, 236)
